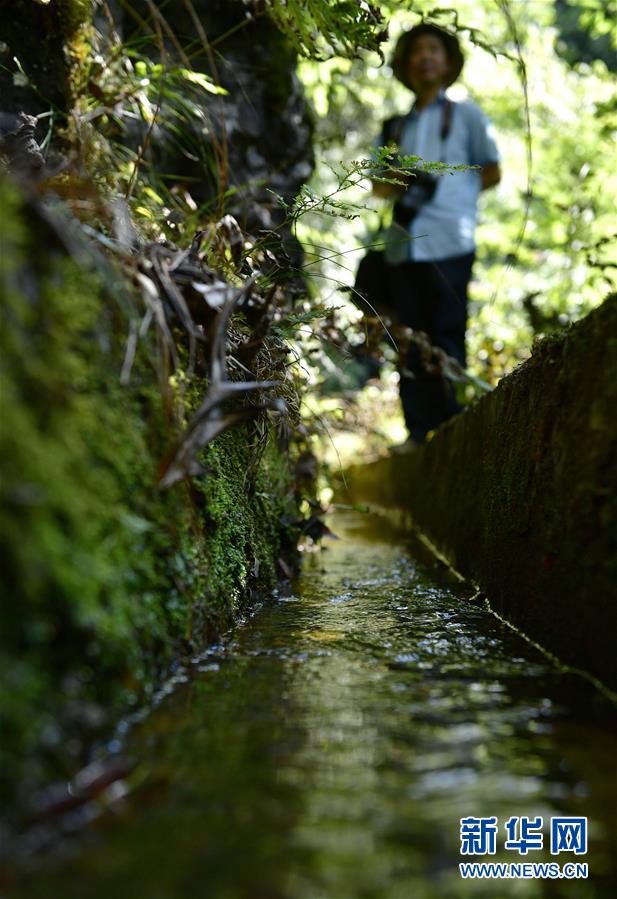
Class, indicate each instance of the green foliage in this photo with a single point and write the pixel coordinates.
(321, 28)
(586, 31)
(127, 96)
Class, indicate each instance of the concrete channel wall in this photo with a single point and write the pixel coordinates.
(518, 493)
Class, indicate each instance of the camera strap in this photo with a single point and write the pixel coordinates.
(393, 128)
(446, 123)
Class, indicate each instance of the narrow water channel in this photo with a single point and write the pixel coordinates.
(329, 748)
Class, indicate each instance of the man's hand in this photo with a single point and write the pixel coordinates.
(490, 175)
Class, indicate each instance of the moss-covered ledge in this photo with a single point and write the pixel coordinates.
(518, 493)
(107, 579)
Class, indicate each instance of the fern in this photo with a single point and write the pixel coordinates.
(319, 29)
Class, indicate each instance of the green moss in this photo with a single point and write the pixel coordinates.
(109, 578)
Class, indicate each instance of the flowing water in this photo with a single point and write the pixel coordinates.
(329, 747)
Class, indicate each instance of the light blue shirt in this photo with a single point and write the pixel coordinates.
(445, 225)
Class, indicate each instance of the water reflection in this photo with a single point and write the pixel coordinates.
(330, 748)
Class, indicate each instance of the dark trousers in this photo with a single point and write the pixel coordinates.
(431, 297)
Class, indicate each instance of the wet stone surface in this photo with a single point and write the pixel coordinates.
(328, 749)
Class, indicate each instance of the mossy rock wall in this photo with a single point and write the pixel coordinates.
(519, 493)
(107, 579)
(45, 40)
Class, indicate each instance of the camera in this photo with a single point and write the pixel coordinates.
(421, 189)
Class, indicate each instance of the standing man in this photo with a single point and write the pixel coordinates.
(430, 245)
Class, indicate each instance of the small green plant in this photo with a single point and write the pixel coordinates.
(385, 166)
